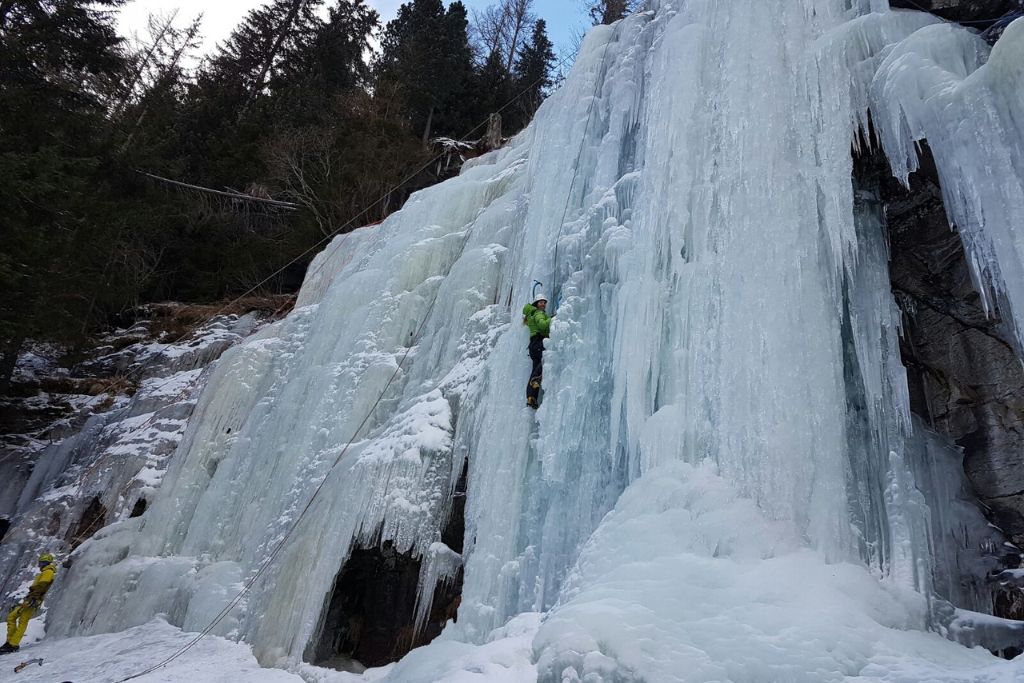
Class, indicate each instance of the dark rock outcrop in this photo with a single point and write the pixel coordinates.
(94, 430)
(369, 619)
(977, 13)
(988, 17)
(966, 379)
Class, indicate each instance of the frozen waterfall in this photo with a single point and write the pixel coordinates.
(724, 481)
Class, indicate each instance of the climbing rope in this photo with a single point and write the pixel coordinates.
(247, 586)
(327, 237)
(265, 565)
(556, 292)
(515, 98)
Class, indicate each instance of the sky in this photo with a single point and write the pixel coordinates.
(564, 17)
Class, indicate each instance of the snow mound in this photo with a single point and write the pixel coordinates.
(687, 581)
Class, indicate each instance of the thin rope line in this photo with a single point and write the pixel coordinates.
(309, 504)
(316, 492)
(365, 210)
(598, 81)
(330, 236)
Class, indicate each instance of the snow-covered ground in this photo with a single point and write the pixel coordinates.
(111, 657)
(108, 658)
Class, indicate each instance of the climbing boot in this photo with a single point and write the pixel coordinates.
(7, 648)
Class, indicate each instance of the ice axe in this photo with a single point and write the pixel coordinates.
(533, 295)
(24, 665)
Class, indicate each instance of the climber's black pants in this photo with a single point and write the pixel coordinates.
(537, 373)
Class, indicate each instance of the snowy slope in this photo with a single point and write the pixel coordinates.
(721, 483)
(104, 658)
(108, 658)
(58, 492)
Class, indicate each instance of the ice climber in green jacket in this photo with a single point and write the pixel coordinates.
(536, 318)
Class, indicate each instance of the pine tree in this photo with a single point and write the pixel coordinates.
(57, 61)
(503, 28)
(324, 63)
(610, 11)
(254, 52)
(493, 88)
(425, 54)
(287, 107)
(60, 62)
(157, 81)
(533, 71)
(226, 116)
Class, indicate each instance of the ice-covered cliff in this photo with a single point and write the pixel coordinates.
(88, 442)
(724, 481)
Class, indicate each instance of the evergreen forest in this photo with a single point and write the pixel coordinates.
(139, 169)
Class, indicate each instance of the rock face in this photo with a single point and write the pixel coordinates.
(86, 440)
(965, 377)
(989, 17)
(370, 619)
(371, 614)
(975, 12)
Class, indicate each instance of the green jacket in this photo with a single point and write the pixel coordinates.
(537, 320)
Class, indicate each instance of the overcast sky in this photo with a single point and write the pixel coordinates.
(564, 17)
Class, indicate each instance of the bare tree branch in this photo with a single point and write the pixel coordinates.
(502, 28)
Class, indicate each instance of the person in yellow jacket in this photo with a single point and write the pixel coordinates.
(17, 620)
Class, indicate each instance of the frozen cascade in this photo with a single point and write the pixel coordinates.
(724, 481)
(114, 464)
